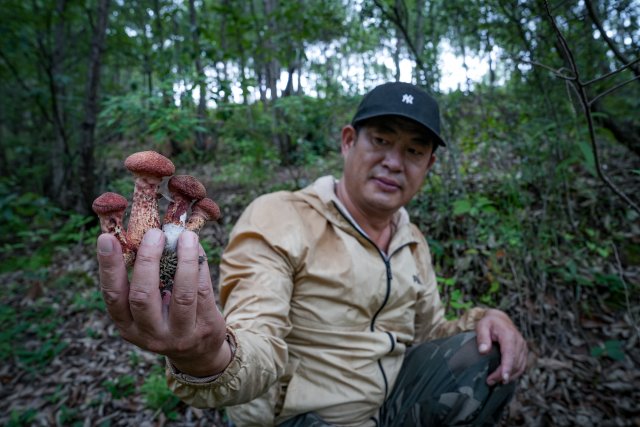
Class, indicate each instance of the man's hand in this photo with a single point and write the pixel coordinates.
(496, 326)
(185, 325)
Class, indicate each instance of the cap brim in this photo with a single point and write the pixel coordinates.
(433, 133)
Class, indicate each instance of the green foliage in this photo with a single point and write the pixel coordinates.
(611, 349)
(33, 230)
(32, 336)
(214, 252)
(88, 300)
(157, 394)
(68, 416)
(138, 116)
(454, 296)
(21, 418)
(122, 386)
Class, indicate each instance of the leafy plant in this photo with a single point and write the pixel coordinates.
(33, 229)
(19, 418)
(158, 396)
(611, 349)
(137, 115)
(68, 416)
(32, 335)
(453, 296)
(88, 300)
(123, 386)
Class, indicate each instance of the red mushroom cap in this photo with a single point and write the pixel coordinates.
(209, 207)
(187, 186)
(149, 163)
(109, 202)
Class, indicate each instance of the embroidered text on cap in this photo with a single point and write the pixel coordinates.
(407, 99)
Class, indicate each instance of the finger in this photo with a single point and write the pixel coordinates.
(113, 280)
(507, 358)
(208, 313)
(483, 337)
(144, 292)
(522, 360)
(182, 311)
(495, 376)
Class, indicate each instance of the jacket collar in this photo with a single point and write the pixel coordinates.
(322, 196)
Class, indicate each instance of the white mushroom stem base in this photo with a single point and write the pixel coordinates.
(169, 260)
(172, 233)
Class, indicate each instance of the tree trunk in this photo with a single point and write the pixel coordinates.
(200, 77)
(162, 67)
(396, 55)
(60, 158)
(281, 140)
(87, 173)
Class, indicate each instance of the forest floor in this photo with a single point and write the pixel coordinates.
(67, 364)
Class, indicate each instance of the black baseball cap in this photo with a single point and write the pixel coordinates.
(401, 99)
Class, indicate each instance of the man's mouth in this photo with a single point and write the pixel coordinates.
(387, 183)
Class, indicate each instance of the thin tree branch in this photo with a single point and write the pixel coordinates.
(616, 87)
(584, 99)
(26, 87)
(556, 72)
(618, 54)
(405, 33)
(624, 67)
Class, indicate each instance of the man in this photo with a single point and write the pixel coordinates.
(332, 313)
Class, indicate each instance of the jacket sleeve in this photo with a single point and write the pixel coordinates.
(256, 282)
(431, 322)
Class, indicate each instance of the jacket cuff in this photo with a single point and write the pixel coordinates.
(190, 379)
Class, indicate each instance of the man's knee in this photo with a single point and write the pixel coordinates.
(444, 382)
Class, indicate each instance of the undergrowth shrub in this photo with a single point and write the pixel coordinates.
(32, 230)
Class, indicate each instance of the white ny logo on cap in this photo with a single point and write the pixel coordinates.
(407, 99)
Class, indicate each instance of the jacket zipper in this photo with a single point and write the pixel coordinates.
(387, 264)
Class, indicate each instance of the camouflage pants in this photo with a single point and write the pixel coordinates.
(441, 383)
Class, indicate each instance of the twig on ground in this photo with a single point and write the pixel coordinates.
(632, 317)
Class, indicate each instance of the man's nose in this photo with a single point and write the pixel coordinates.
(394, 159)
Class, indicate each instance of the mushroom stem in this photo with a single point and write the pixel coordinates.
(184, 190)
(110, 209)
(148, 168)
(203, 210)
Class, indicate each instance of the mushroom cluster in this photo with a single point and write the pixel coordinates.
(188, 199)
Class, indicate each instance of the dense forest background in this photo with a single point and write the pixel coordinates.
(533, 207)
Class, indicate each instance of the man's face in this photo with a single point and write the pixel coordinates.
(385, 164)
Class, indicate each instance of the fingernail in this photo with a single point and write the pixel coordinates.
(105, 246)
(505, 378)
(491, 382)
(152, 237)
(483, 348)
(188, 239)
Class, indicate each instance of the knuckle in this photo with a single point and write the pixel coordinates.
(205, 290)
(110, 297)
(139, 297)
(185, 297)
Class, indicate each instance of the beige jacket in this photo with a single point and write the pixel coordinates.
(321, 317)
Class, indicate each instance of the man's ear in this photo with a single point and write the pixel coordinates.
(432, 160)
(349, 136)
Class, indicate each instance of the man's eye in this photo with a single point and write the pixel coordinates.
(415, 152)
(379, 141)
